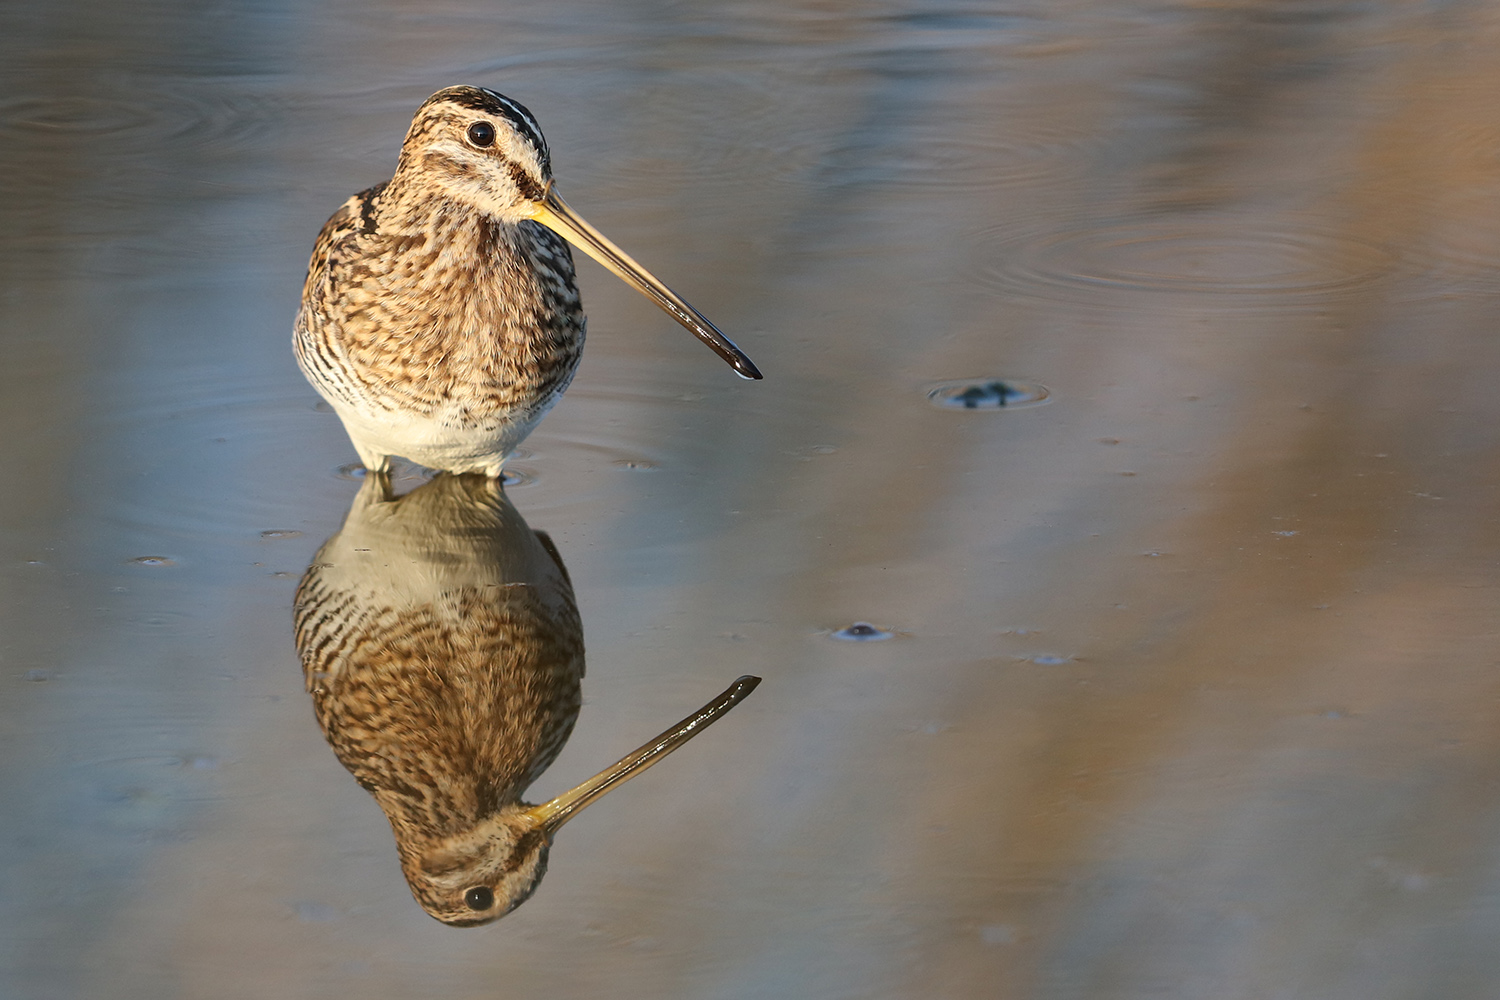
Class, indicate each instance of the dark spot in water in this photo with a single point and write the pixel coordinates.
(353, 471)
(861, 632)
(153, 561)
(987, 394)
(993, 934)
(312, 912)
(280, 533)
(635, 463)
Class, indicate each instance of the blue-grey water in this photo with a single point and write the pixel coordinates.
(1191, 689)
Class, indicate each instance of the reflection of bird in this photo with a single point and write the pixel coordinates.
(443, 651)
(440, 318)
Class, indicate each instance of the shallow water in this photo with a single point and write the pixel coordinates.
(1191, 683)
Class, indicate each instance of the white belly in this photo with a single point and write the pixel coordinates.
(439, 441)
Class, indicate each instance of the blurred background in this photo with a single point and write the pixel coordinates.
(1192, 687)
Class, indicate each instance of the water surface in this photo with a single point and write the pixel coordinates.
(1192, 684)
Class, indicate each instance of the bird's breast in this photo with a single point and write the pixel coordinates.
(483, 318)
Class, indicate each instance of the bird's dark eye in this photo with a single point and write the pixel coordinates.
(482, 134)
(481, 897)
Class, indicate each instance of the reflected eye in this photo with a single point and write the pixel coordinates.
(480, 897)
(482, 134)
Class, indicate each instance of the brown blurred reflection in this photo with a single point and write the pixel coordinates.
(443, 652)
(442, 647)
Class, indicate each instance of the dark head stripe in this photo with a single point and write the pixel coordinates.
(490, 103)
(523, 120)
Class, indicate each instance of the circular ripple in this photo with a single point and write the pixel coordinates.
(992, 393)
(34, 117)
(1460, 250)
(733, 129)
(1200, 257)
(193, 111)
(192, 428)
(955, 155)
(698, 134)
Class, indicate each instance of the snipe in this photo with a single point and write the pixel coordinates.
(440, 318)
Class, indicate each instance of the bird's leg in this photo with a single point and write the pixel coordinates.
(374, 460)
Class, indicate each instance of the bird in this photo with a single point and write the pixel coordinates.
(443, 652)
(440, 318)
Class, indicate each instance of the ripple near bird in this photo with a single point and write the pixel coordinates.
(442, 647)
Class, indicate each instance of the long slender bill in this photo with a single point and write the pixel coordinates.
(555, 214)
(551, 815)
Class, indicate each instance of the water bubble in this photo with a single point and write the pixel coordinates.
(987, 394)
(861, 632)
(638, 464)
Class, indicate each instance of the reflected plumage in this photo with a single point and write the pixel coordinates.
(440, 318)
(442, 647)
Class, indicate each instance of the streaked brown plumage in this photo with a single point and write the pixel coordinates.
(440, 317)
(442, 647)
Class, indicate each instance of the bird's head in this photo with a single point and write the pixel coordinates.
(481, 874)
(480, 149)
(484, 151)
